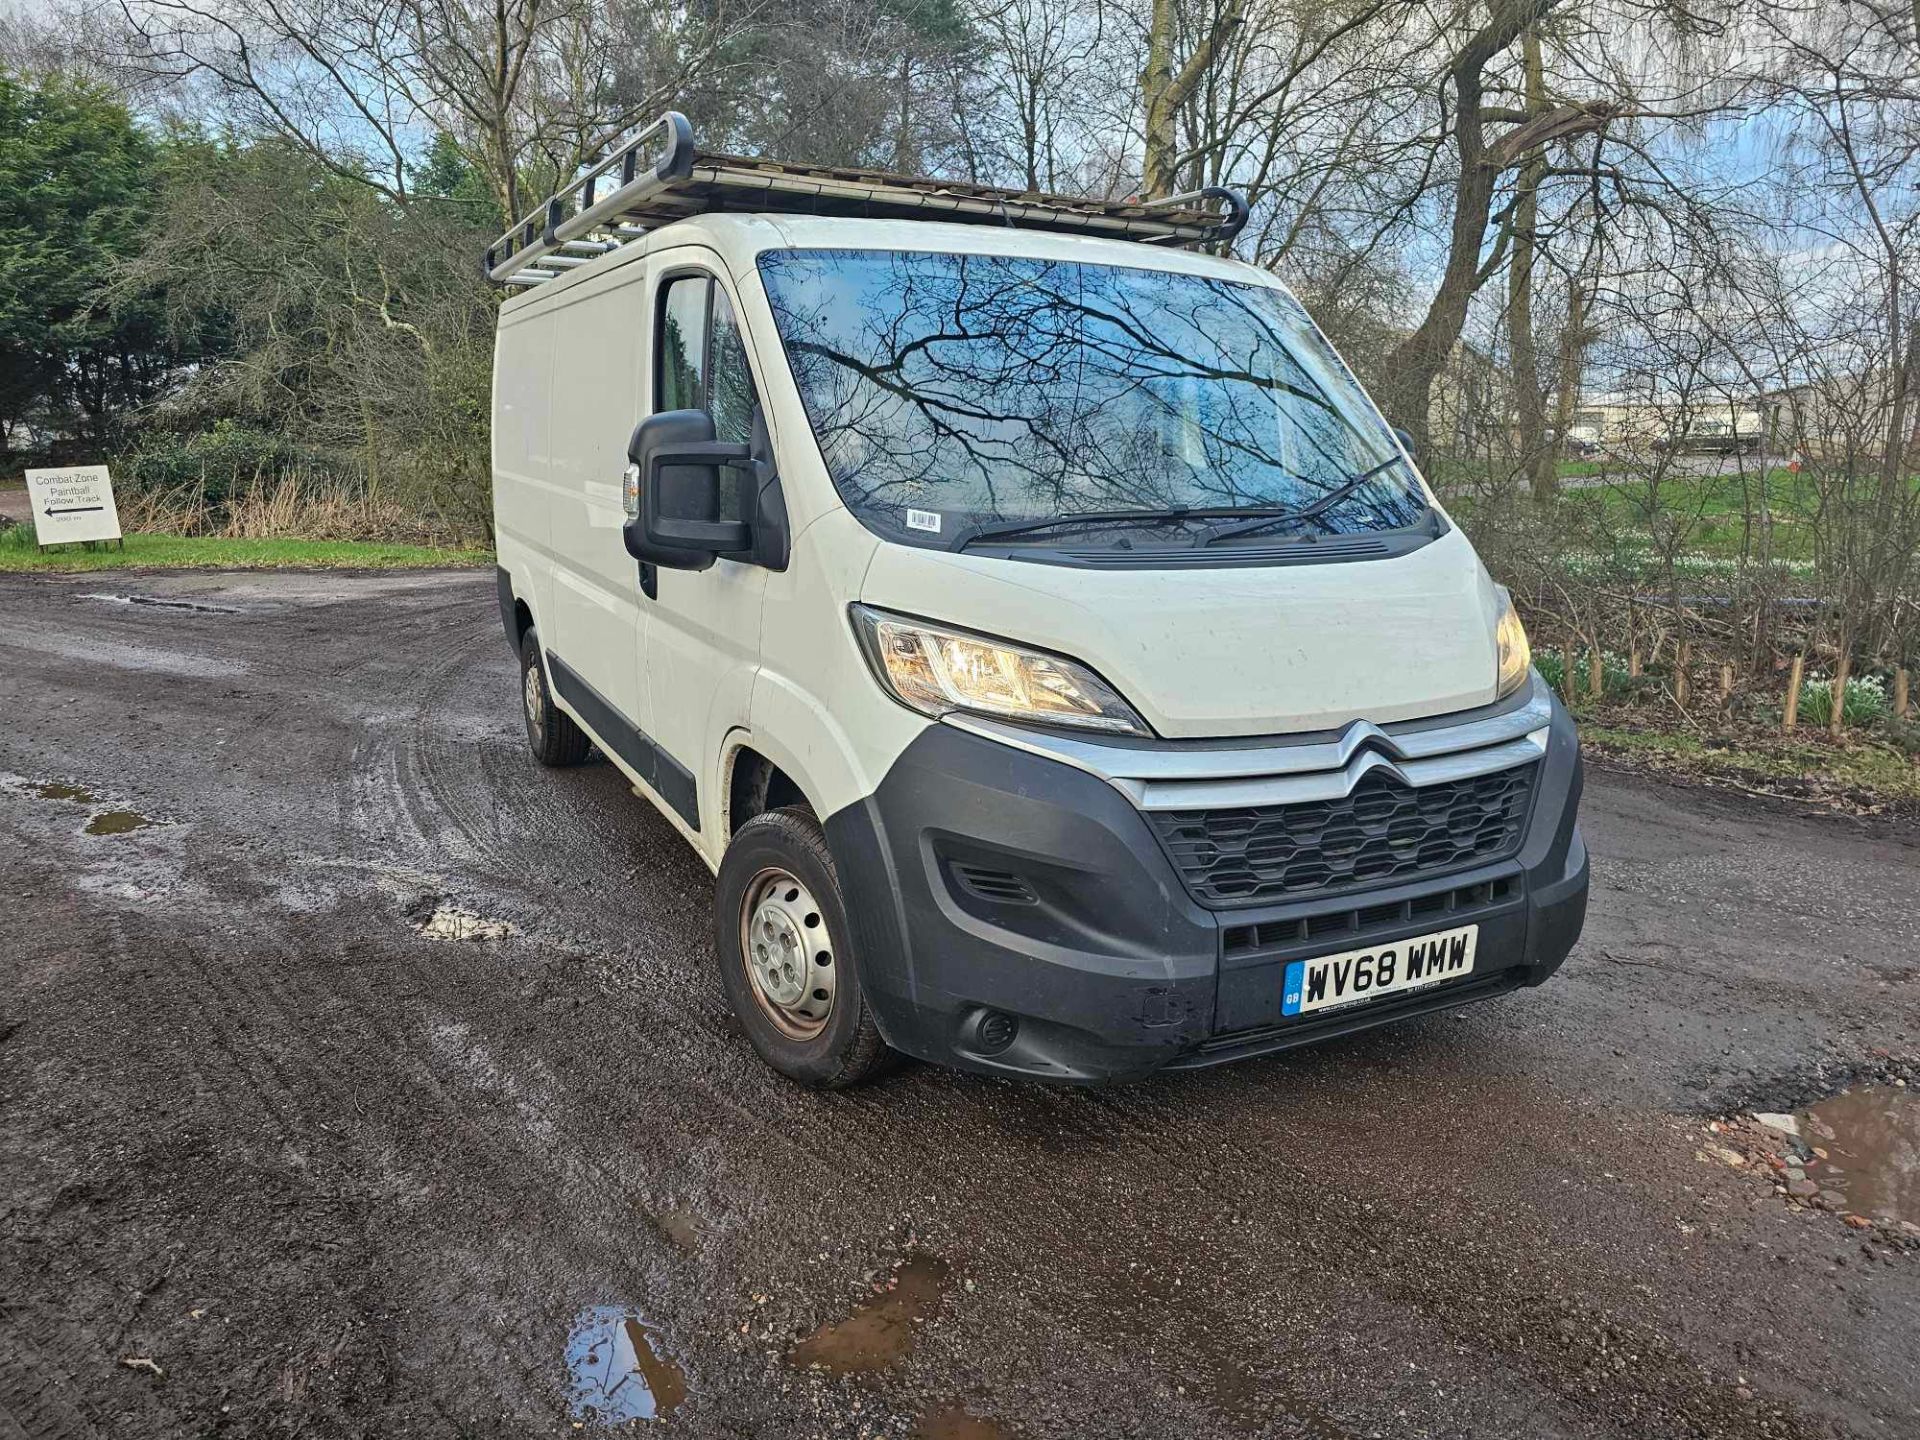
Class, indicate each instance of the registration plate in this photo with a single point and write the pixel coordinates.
(1390, 969)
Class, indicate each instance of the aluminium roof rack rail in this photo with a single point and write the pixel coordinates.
(658, 176)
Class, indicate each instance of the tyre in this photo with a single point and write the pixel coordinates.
(551, 733)
(786, 954)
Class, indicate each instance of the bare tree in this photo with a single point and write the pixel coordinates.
(520, 84)
(1851, 77)
(1167, 83)
(1042, 66)
(1485, 142)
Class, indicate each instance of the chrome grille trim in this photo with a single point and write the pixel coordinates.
(1175, 775)
(1330, 784)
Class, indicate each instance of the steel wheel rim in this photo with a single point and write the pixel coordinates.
(531, 697)
(788, 954)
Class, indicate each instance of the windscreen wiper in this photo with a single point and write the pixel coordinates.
(1306, 512)
(992, 530)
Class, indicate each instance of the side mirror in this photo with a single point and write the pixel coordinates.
(1405, 437)
(681, 517)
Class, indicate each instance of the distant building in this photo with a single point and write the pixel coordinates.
(1699, 422)
(1840, 416)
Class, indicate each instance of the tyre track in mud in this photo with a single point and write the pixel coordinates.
(239, 1109)
(281, 1068)
(417, 1158)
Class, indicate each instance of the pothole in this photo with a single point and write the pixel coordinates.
(1855, 1153)
(882, 1328)
(618, 1368)
(1864, 1146)
(113, 820)
(161, 603)
(60, 790)
(681, 1226)
(448, 921)
(117, 822)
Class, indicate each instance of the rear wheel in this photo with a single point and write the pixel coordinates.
(551, 733)
(786, 954)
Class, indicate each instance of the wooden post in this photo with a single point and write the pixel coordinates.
(1837, 710)
(1726, 682)
(1633, 660)
(1791, 715)
(1596, 674)
(1680, 659)
(1900, 696)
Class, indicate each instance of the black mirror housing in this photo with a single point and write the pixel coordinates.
(683, 471)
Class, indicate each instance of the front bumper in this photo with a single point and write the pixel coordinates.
(986, 881)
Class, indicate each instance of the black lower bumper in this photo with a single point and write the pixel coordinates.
(985, 884)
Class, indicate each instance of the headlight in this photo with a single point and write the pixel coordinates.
(935, 670)
(1510, 638)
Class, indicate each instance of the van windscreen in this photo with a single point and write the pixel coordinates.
(949, 391)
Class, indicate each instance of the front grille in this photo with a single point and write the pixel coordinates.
(1383, 832)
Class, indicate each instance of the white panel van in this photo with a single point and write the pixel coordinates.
(1062, 665)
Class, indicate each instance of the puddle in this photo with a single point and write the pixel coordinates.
(104, 822)
(618, 1370)
(1871, 1140)
(952, 1422)
(449, 922)
(55, 790)
(681, 1226)
(162, 604)
(883, 1327)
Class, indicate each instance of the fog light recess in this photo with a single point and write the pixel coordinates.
(994, 1031)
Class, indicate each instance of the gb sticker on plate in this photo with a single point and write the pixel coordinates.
(928, 520)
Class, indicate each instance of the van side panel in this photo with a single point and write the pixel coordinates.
(595, 622)
(521, 369)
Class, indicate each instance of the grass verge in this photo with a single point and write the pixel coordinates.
(1719, 512)
(174, 552)
(1867, 777)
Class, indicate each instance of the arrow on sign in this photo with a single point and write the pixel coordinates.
(74, 509)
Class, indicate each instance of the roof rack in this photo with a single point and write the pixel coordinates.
(622, 197)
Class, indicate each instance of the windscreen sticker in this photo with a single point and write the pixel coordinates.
(924, 520)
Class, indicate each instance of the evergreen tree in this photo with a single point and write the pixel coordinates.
(76, 179)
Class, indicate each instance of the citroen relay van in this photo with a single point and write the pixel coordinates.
(1060, 662)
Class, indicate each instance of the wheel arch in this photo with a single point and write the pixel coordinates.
(756, 777)
(516, 615)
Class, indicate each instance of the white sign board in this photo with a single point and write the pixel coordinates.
(75, 503)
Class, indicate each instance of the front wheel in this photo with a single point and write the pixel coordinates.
(786, 954)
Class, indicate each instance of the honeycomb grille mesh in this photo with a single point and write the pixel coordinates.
(1383, 831)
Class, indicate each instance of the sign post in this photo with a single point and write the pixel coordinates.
(73, 504)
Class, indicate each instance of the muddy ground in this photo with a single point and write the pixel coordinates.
(273, 1161)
